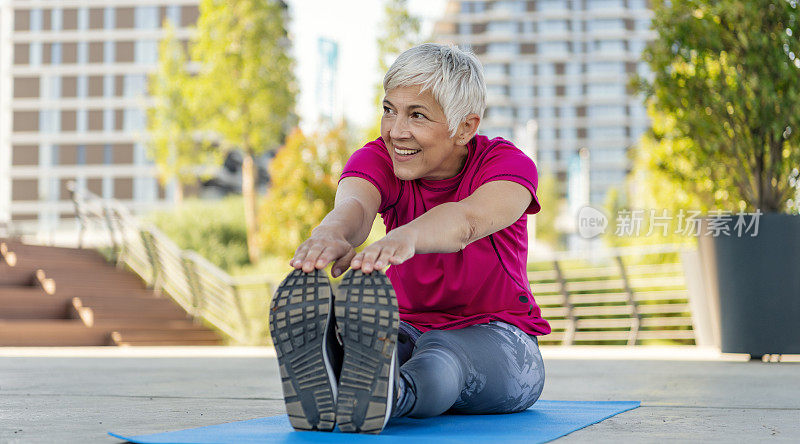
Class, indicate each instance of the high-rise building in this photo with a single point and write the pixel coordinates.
(73, 76)
(564, 64)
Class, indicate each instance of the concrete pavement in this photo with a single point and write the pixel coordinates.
(688, 395)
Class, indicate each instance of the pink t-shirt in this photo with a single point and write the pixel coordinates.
(487, 281)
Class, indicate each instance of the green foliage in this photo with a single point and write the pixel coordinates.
(214, 229)
(245, 88)
(548, 195)
(171, 119)
(723, 100)
(399, 31)
(305, 174)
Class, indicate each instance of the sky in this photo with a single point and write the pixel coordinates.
(354, 25)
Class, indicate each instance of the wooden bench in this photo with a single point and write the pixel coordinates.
(618, 301)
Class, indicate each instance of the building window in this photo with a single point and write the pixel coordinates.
(496, 91)
(108, 85)
(553, 48)
(80, 121)
(83, 53)
(552, 26)
(552, 5)
(503, 48)
(109, 18)
(108, 154)
(80, 155)
(608, 132)
(605, 90)
(56, 19)
(495, 70)
(545, 91)
(609, 46)
(521, 70)
(547, 112)
(83, 18)
(55, 53)
(36, 19)
(637, 4)
(502, 27)
(174, 15)
(108, 120)
(35, 53)
(605, 25)
(600, 111)
(49, 121)
(573, 69)
(108, 51)
(521, 91)
(134, 85)
(146, 51)
(599, 5)
(146, 17)
(605, 68)
(133, 120)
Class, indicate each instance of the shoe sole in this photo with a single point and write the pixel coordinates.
(366, 311)
(298, 322)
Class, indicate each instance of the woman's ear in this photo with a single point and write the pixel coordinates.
(467, 129)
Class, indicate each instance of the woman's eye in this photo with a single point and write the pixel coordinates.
(387, 110)
(417, 115)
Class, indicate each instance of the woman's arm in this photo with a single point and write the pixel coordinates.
(344, 228)
(449, 227)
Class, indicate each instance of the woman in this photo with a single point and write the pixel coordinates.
(455, 205)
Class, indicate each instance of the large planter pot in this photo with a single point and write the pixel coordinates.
(754, 284)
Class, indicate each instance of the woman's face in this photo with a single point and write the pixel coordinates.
(415, 131)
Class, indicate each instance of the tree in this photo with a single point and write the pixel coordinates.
(171, 121)
(724, 100)
(546, 230)
(399, 32)
(245, 88)
(305, 174)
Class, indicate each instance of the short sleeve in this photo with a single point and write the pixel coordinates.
(372, 162)
(507, 162)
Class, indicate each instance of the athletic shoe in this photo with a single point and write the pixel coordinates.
(303, 330)
(366, 309)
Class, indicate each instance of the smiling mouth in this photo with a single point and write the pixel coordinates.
(405, 152)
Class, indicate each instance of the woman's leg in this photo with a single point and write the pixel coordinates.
(485, 368)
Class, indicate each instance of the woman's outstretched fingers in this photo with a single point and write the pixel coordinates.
(383, 259)
(355, 264)
(343, 263)
(370, 255)
(311, 258)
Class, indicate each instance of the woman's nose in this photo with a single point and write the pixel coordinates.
(399, 129)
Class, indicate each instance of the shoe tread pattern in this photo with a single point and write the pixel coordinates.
(366, 310)
(298, 316)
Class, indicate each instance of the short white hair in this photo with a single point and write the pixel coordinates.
(454, 76)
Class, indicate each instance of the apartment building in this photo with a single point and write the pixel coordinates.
(73, 76)
(563, 64)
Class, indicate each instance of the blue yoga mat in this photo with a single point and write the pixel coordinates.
(545, 421)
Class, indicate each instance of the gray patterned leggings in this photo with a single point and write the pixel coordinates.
(481, 369)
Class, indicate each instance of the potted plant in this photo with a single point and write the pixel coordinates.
(725, 103)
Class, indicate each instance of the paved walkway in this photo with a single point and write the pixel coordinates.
(77, 395)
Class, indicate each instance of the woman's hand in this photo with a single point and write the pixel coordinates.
(395, 248)
(322, 248)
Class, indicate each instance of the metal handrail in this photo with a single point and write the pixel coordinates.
(204, 290)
